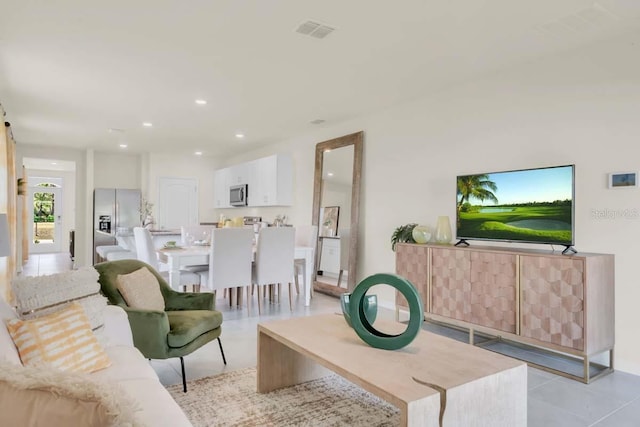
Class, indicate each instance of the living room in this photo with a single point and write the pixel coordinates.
(572, 106)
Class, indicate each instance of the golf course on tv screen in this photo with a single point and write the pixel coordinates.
(532, 205)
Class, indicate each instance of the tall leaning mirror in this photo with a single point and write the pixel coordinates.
(336, 208)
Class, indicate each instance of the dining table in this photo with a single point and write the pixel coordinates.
(176, 256)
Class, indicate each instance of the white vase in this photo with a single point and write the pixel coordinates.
(148, 222)
(443, 230)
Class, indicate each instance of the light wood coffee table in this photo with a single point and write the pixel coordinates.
(467, 386)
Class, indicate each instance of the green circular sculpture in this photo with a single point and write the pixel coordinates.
(366, 331)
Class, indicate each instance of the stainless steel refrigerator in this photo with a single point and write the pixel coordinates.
(115, 211)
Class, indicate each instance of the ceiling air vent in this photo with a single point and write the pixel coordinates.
(583, 20)
(314, 29)
(317, 121)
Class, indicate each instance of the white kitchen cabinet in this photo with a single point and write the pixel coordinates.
(221, 188)
(238, 174)
(330, 255)
(271, 181)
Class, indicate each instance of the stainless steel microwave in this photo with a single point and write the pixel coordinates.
(238, 195)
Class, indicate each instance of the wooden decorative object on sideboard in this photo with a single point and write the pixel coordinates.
(559, 303)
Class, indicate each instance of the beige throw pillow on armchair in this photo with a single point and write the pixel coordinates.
(141, 290)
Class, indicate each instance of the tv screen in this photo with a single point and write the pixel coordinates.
(529, 205)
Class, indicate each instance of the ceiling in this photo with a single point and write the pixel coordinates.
(70, 70)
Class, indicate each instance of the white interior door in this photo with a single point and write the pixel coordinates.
(177, 202)
(45, 219)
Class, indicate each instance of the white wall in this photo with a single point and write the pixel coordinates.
(579, 107)
(116, 170)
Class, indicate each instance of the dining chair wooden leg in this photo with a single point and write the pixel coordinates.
(279, 291)
(339, 277)
(259, 305)
(239, 296)
(295, 279)
(290, 304)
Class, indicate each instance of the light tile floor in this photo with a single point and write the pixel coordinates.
(611, 401)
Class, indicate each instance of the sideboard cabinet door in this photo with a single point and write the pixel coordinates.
(451, 283)
(493, 290)
(412, 264)
(552, 306)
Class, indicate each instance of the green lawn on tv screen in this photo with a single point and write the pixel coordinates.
(548, 224)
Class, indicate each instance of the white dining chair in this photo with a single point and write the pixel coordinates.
(274, 259)
(146, 252)
(230, 260)
(345, 235)
(306, 235)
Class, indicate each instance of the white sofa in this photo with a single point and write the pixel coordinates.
(129, 369)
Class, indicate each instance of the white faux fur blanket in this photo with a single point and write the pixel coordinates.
(74, 386)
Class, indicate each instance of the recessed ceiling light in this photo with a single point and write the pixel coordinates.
(201, 102)
(198, 153)
(54, 163)
(329, 173)
(147, 124)
(239, 135)
(123, 145)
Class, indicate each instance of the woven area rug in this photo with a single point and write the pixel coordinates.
(230, 399)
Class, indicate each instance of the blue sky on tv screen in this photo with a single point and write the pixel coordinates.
(535, 185)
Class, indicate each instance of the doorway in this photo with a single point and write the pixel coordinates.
(177, 202)
(45, 230)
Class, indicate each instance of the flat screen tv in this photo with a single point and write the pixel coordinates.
(529, 205)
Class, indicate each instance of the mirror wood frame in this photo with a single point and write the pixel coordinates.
(355, 139)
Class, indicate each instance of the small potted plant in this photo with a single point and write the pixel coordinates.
(403, 234)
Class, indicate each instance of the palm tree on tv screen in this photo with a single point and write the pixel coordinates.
(478, 187)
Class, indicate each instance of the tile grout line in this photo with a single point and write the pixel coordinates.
(550, 380)
(614, 411)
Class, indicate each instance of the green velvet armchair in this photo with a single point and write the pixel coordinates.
(188, 322)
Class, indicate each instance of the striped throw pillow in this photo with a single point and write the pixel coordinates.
(63, 340)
